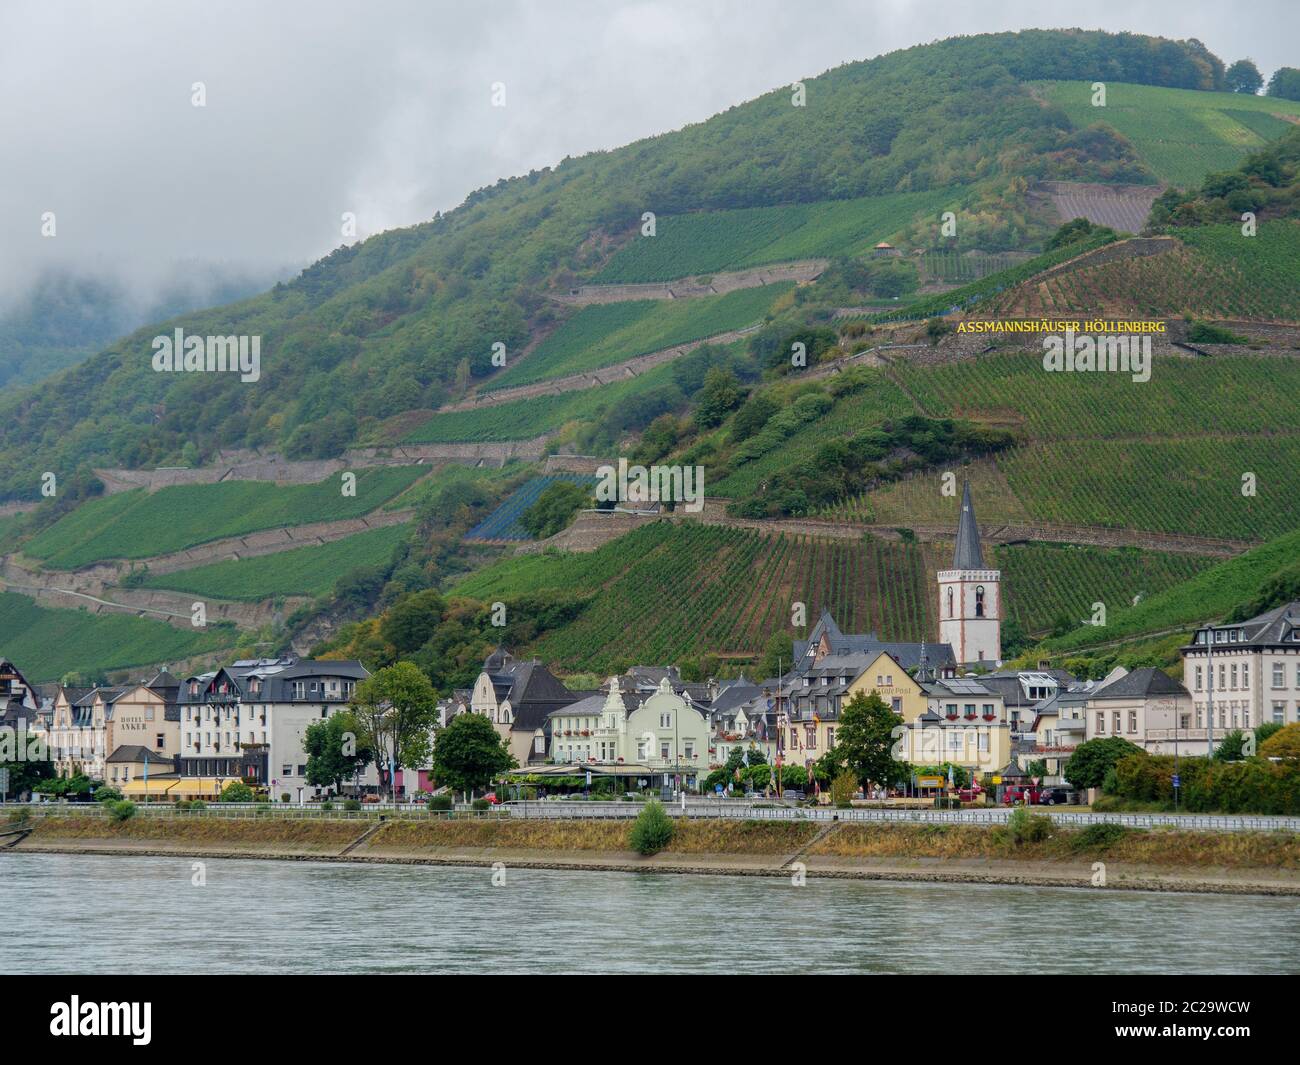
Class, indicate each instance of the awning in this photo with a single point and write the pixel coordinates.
(177, 787)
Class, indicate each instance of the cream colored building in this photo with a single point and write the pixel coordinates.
(1248, 670)
(664, 734)
(88, 725)
(1146, 707)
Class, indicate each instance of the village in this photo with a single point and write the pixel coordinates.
(968, 729)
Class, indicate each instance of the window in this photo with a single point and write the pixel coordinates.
(1101, 722)
(302, 770)
(1132, 721)
(1222, 674)
(1233, 674)
(950, 602)
(1245, 675)
(641, 751)
(539, 744)
(970, 709)
(690, 749)
(979, 601)
(160, 741)
(1199, 678)
(1117, 716)
(896, 704)
(1279, 713)
(810, 735)
(664, 750)
(830, 737)
(666, 720)
(1279, 675)
(288, 770)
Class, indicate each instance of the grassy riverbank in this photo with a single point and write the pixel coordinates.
(1166, 860)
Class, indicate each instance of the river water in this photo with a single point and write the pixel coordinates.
(120, 914)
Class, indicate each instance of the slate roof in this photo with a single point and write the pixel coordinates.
(866, 645)
(1141, 683)
(134, 752)
(1271, 628)
(968, 554)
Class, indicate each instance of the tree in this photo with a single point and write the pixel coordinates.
(720, 395)
(864, 741)
(395, 711)
(1091, 761)
(469, 753)
(410, 623)
(777, 654)
(1244, 76)
(335, 751)
(554, 509)
(1284, 84)
(1284, 743)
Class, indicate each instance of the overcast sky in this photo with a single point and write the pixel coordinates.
(383, 107)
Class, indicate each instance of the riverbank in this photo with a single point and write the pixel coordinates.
(1241, 863)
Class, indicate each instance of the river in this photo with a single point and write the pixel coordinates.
(120, 914)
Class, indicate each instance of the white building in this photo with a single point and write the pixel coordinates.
(970, 597)
(1248, 670)
(1146, 707)
(247, 721)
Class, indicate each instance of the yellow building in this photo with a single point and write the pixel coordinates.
(886, 677)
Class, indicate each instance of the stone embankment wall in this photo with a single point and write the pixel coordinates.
(690, 287)
(271, 466)
(592, 378)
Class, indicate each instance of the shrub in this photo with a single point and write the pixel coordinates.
(843, 788)
(327, 805)
(198, 804)
(1024, 827)
(121, 809)
(440, 803)
(352, 804)
(107, 793)
(285, 797)
(236, 791)
(1097, 837)
(652, 830)
(480, 806)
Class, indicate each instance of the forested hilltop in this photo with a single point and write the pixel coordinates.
(407, 319)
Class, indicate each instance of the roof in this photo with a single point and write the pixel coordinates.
(1141, 683)
(1276, 626)
(866, 646)
(133, 752)
(968, 554)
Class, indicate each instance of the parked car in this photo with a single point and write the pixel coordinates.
(1058, 795)
(1022, 795)
(974, 793)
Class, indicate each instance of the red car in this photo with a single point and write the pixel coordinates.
(972, 794)
(1021, 795)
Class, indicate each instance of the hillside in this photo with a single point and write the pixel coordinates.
(405, 319)
(677, 348)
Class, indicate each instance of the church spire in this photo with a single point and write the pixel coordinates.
(968, 555)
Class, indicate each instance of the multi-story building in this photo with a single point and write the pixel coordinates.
(1146, 707)
(1248, 670)
(248, 720)
(970, 597)
(519, 697)
(88, 724)
(630, 734)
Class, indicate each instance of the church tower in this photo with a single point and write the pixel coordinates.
(970, 597)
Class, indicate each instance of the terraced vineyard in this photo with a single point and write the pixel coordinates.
(524, 419)
(977, 292)
(1182, 135)
(1244, 393)
(1209, 594)
(1218, 274)
(606, 334)
(301, 571)
(503, 523)
(140, 524)
(1099, 449)
(950, 266)
(52, 641)
(707, 242)
(743, 583)
(1045, 581)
